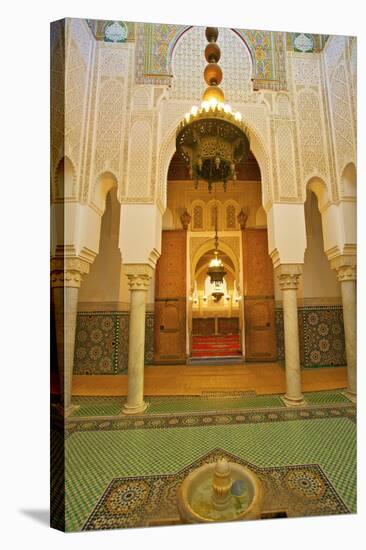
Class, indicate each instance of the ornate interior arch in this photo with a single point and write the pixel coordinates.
(103, 184)
(206, 247)
(168, 148)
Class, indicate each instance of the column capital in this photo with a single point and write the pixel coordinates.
(289, 276)
(345, 265)
(139, 275)
(68, 272)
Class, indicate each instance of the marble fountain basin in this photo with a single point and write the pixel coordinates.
(221, 491)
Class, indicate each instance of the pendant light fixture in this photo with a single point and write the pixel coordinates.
(212, 138)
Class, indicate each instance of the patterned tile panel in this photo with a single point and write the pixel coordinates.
(96, 343)
(321, 336)
(101, 343)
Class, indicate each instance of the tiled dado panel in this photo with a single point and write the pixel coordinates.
(321, 336)
(101, 342)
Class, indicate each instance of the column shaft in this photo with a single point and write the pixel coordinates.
(292, 354)
(289, 275)
(139, 276)
(346, 275)
(136, 353)
(65, 304)
(66, 276)
(348, 289)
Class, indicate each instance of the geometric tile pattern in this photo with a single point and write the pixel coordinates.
(96, 455)
(101, 342)
(321, 336)
(155, 43)
(141, 501)
(319, 41)
(187, 420)
(95, 344)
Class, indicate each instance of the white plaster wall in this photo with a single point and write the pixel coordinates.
(286, 233)
(140, 233)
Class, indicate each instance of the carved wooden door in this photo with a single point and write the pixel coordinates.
(170, 299)
(259, 306)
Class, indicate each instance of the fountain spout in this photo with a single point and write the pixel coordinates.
(221, 485)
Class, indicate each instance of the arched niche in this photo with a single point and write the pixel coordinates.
(349, 181)
(318, 186)
(65, 179)
(198, 214)
(104, 183)
(230, 213)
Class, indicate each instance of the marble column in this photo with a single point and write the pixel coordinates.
(66, 276)
(346, 274)
(289, 275)
(139, 277)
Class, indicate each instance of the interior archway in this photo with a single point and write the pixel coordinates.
(204, 314)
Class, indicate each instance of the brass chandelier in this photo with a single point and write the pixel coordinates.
(212, 138)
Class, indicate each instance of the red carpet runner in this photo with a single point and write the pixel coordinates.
(216, 346)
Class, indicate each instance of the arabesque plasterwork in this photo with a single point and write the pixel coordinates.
(123, 102)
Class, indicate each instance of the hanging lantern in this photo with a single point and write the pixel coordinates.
(216, 269)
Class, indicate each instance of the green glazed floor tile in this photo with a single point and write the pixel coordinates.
(97, 406)
(94, 458)
(325, 398)
(196, 404)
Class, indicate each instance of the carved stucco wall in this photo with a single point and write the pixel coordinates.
(285, 160)
(340, 66)
(188, 64)
(139, 160)
(309, 108)
(72, 47)
(109, 115)
(305, 130)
